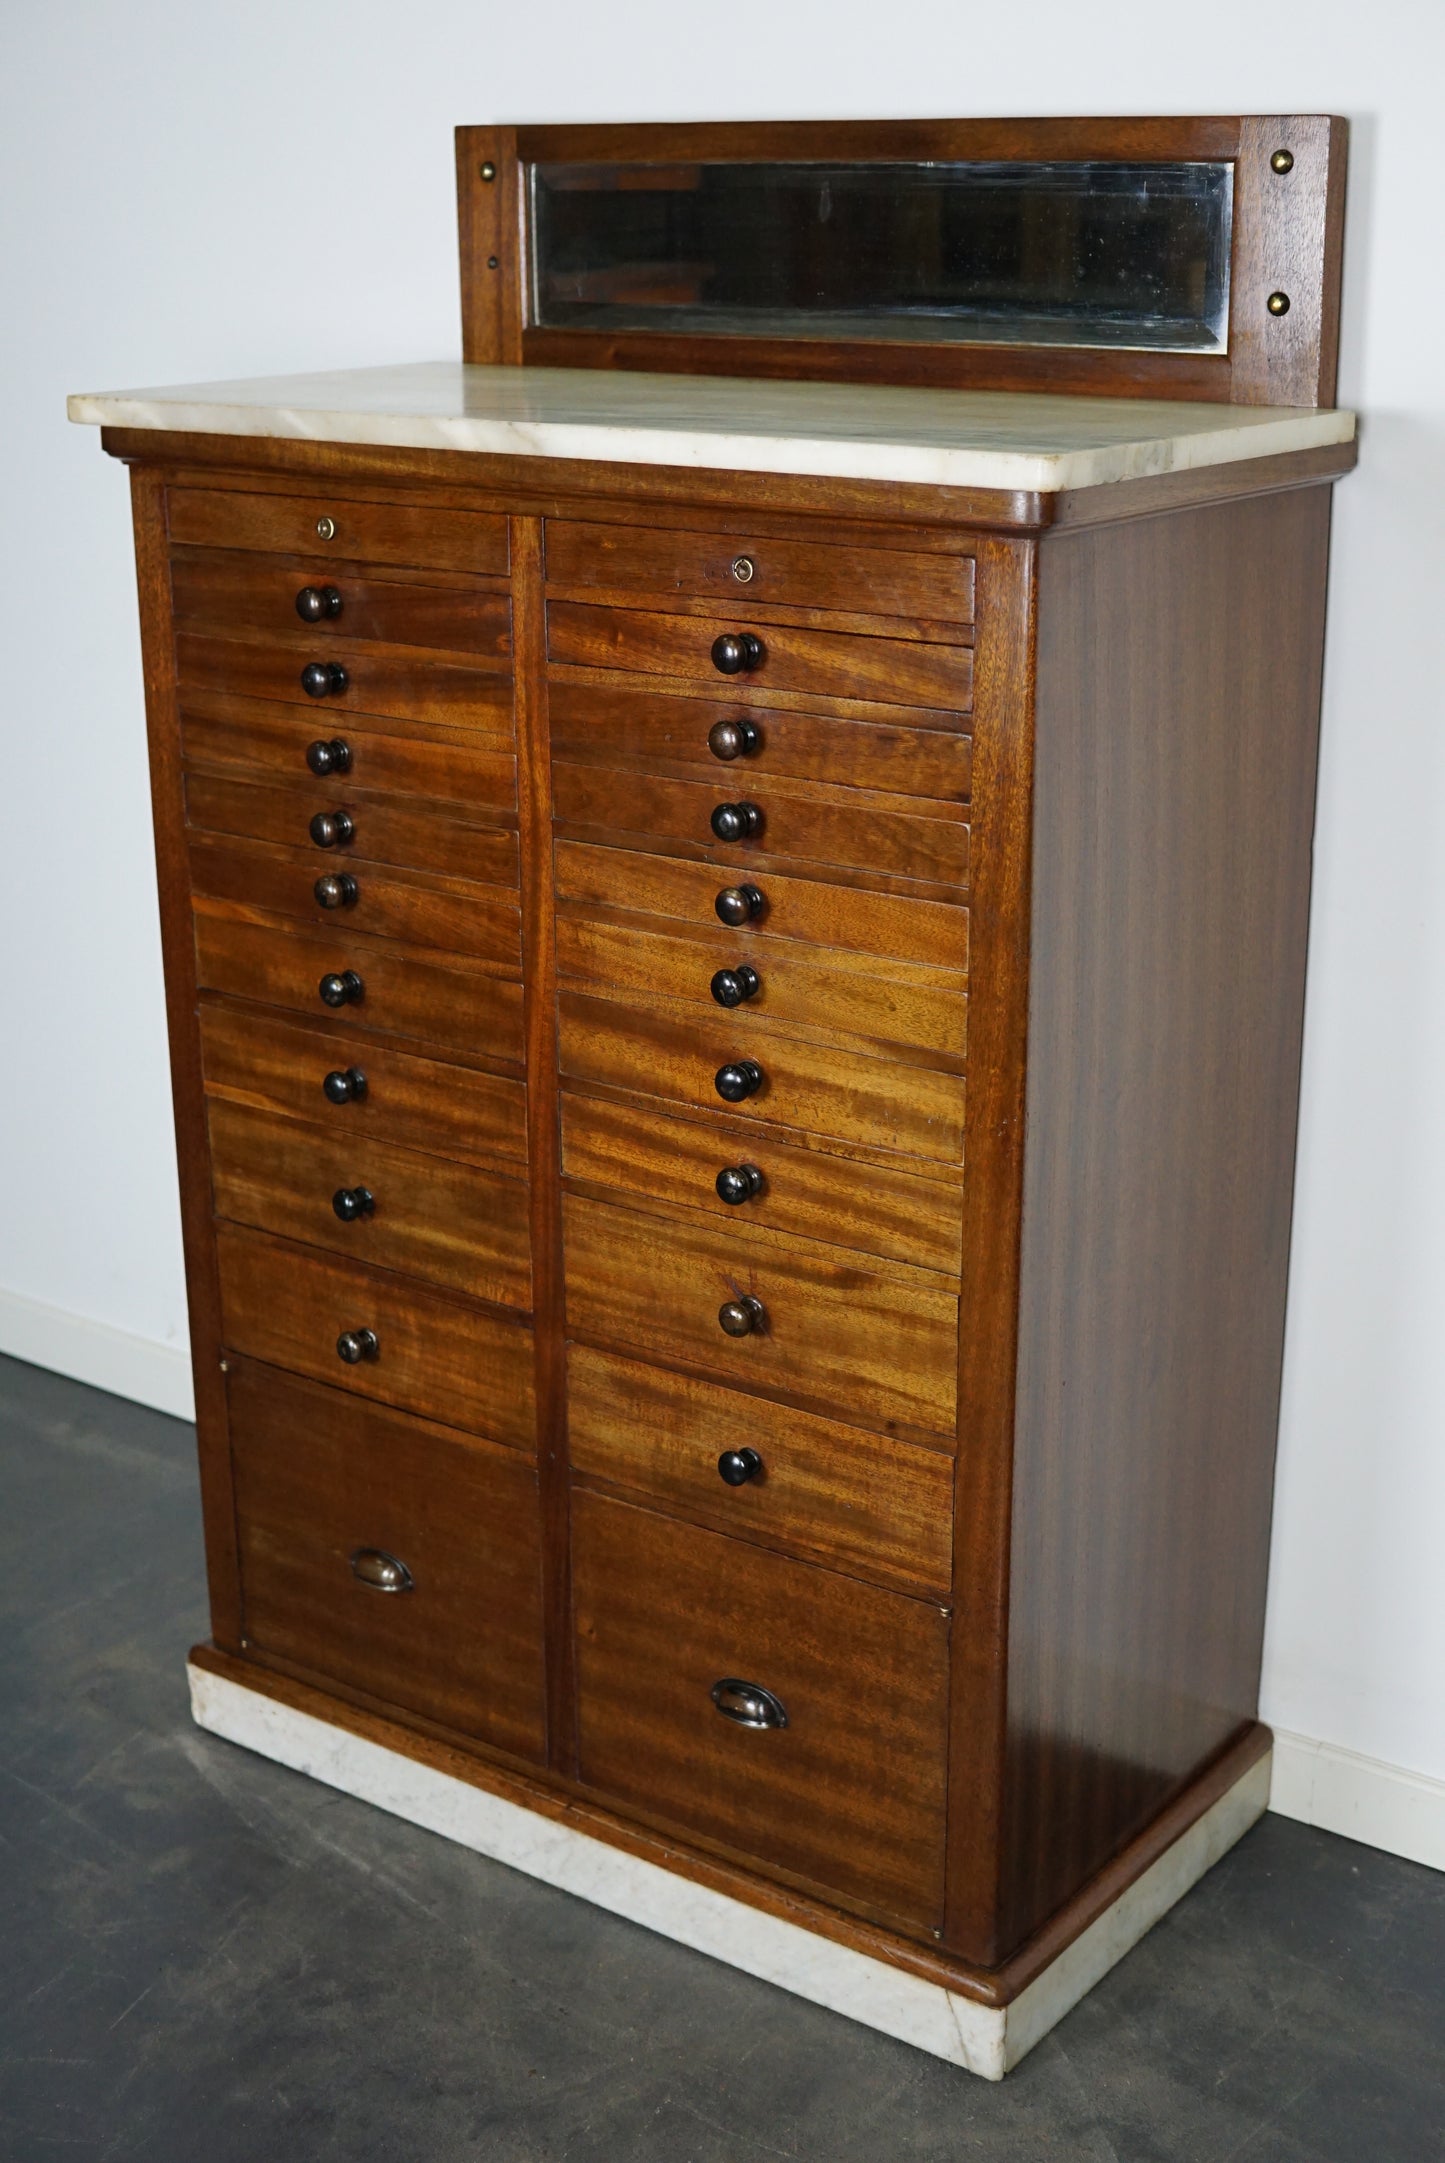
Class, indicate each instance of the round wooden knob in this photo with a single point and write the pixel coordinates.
(342, 988)
(738, 1183)
(336, 890)
(737, 652)
(344, 1085)
(323, 679)
(353, 1202)
(741, 1317)
(315, 604)
(738, 1079)
(736, 739)
(736, 822)
(329, 829)
(329, 755)
(737, 1467)
(739, 904)
(355, 1345)
(731, 986)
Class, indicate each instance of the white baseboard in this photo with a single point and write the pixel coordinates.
(1382, 1805)
(107, 1358)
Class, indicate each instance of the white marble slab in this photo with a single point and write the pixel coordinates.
(981, 2039)
(952, 439)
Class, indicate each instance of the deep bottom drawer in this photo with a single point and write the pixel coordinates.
(849, 1795)
(331, 1492)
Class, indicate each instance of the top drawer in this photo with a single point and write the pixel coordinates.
(802, 574)
(423, 538)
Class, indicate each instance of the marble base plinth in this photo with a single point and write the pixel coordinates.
(982, 2039)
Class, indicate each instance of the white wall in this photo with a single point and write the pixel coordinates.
(193, 192)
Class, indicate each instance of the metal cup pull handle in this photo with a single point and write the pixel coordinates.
(372, 1566)
(748, 1703)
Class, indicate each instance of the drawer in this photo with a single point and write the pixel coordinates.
(320, 1479)
(845, 828)
(835, 1336)
(230, 592)
(376, 829)
(260, 741)
(450, 1224)
(349, 530)
(465, 1366)
(838, 1494)
(629, 1151)
(850, 1794)
(815, 1088)
(832, 664)
(809, 910)
(413, 689)
(483, 921)
(403, 992)
(393, 1096)
(801, 986)
(741, 566)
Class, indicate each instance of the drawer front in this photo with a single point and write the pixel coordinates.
(812, 1486)
(391, 1096)
(831, 664)
(349, 531)
(413, 689)
(732, 566)
(217, 590)
(834, 1336)
(482, 921)
(264, 742)
(849, 829)
(902, 755)
(371, 829)
(629, 1151)
(320, 1479)
(850, 1794)
(799, 986)
(436, 1356)
(815, 1088)
(403, 992)
(447, 1223)
(807, 910)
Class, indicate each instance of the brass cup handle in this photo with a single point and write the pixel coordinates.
(355, 1345)
(381, 1572)
(748, 1703)
(745, 1317)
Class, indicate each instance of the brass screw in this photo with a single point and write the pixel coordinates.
(1282, 161)
(489, 171)
(326, 527)
(1278, 304)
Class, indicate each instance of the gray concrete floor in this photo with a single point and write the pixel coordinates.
(205, 1957)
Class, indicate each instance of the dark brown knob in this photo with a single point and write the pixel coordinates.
(741, 1317)
(381, 1572)
(738, 1080)
(314, 604)
(355, 1345)
(344, 988)
(739, 904)
(353, 1202)
(737, 1467)
(748, 1703)
(738, 1183)
(323, 679)
(736, 739)
(330, 828)
(736, 652)
(344, 1085)
(329, 755)
(736, 822)
(731, 986)
(335, 890)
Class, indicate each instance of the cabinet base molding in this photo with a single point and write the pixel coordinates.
(983, 2022)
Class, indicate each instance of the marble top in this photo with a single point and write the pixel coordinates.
(947, 438)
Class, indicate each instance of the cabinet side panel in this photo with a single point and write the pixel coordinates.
(1178, 714)
(148, 504)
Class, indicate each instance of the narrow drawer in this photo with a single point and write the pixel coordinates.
(230, 592)
(387, 1095)
(808, 910)
(375, 682)
(850, 1794)
(483, 921)
(833, 1336)
(848, 828)
(261, 741)
(743, 740)
(402, 992)
(740, 566)
(831, 664)
(463, 1365)
(812, 1486)
(348, 529)
(815, 1088)
(323, 1486)
(367, 1200)
(630, 1151)
(367, 829)
(812, 987)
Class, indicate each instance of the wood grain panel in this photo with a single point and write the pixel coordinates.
(264, 741)
(232, 593)
(413, 834)
(425, 535)
(386, 681)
